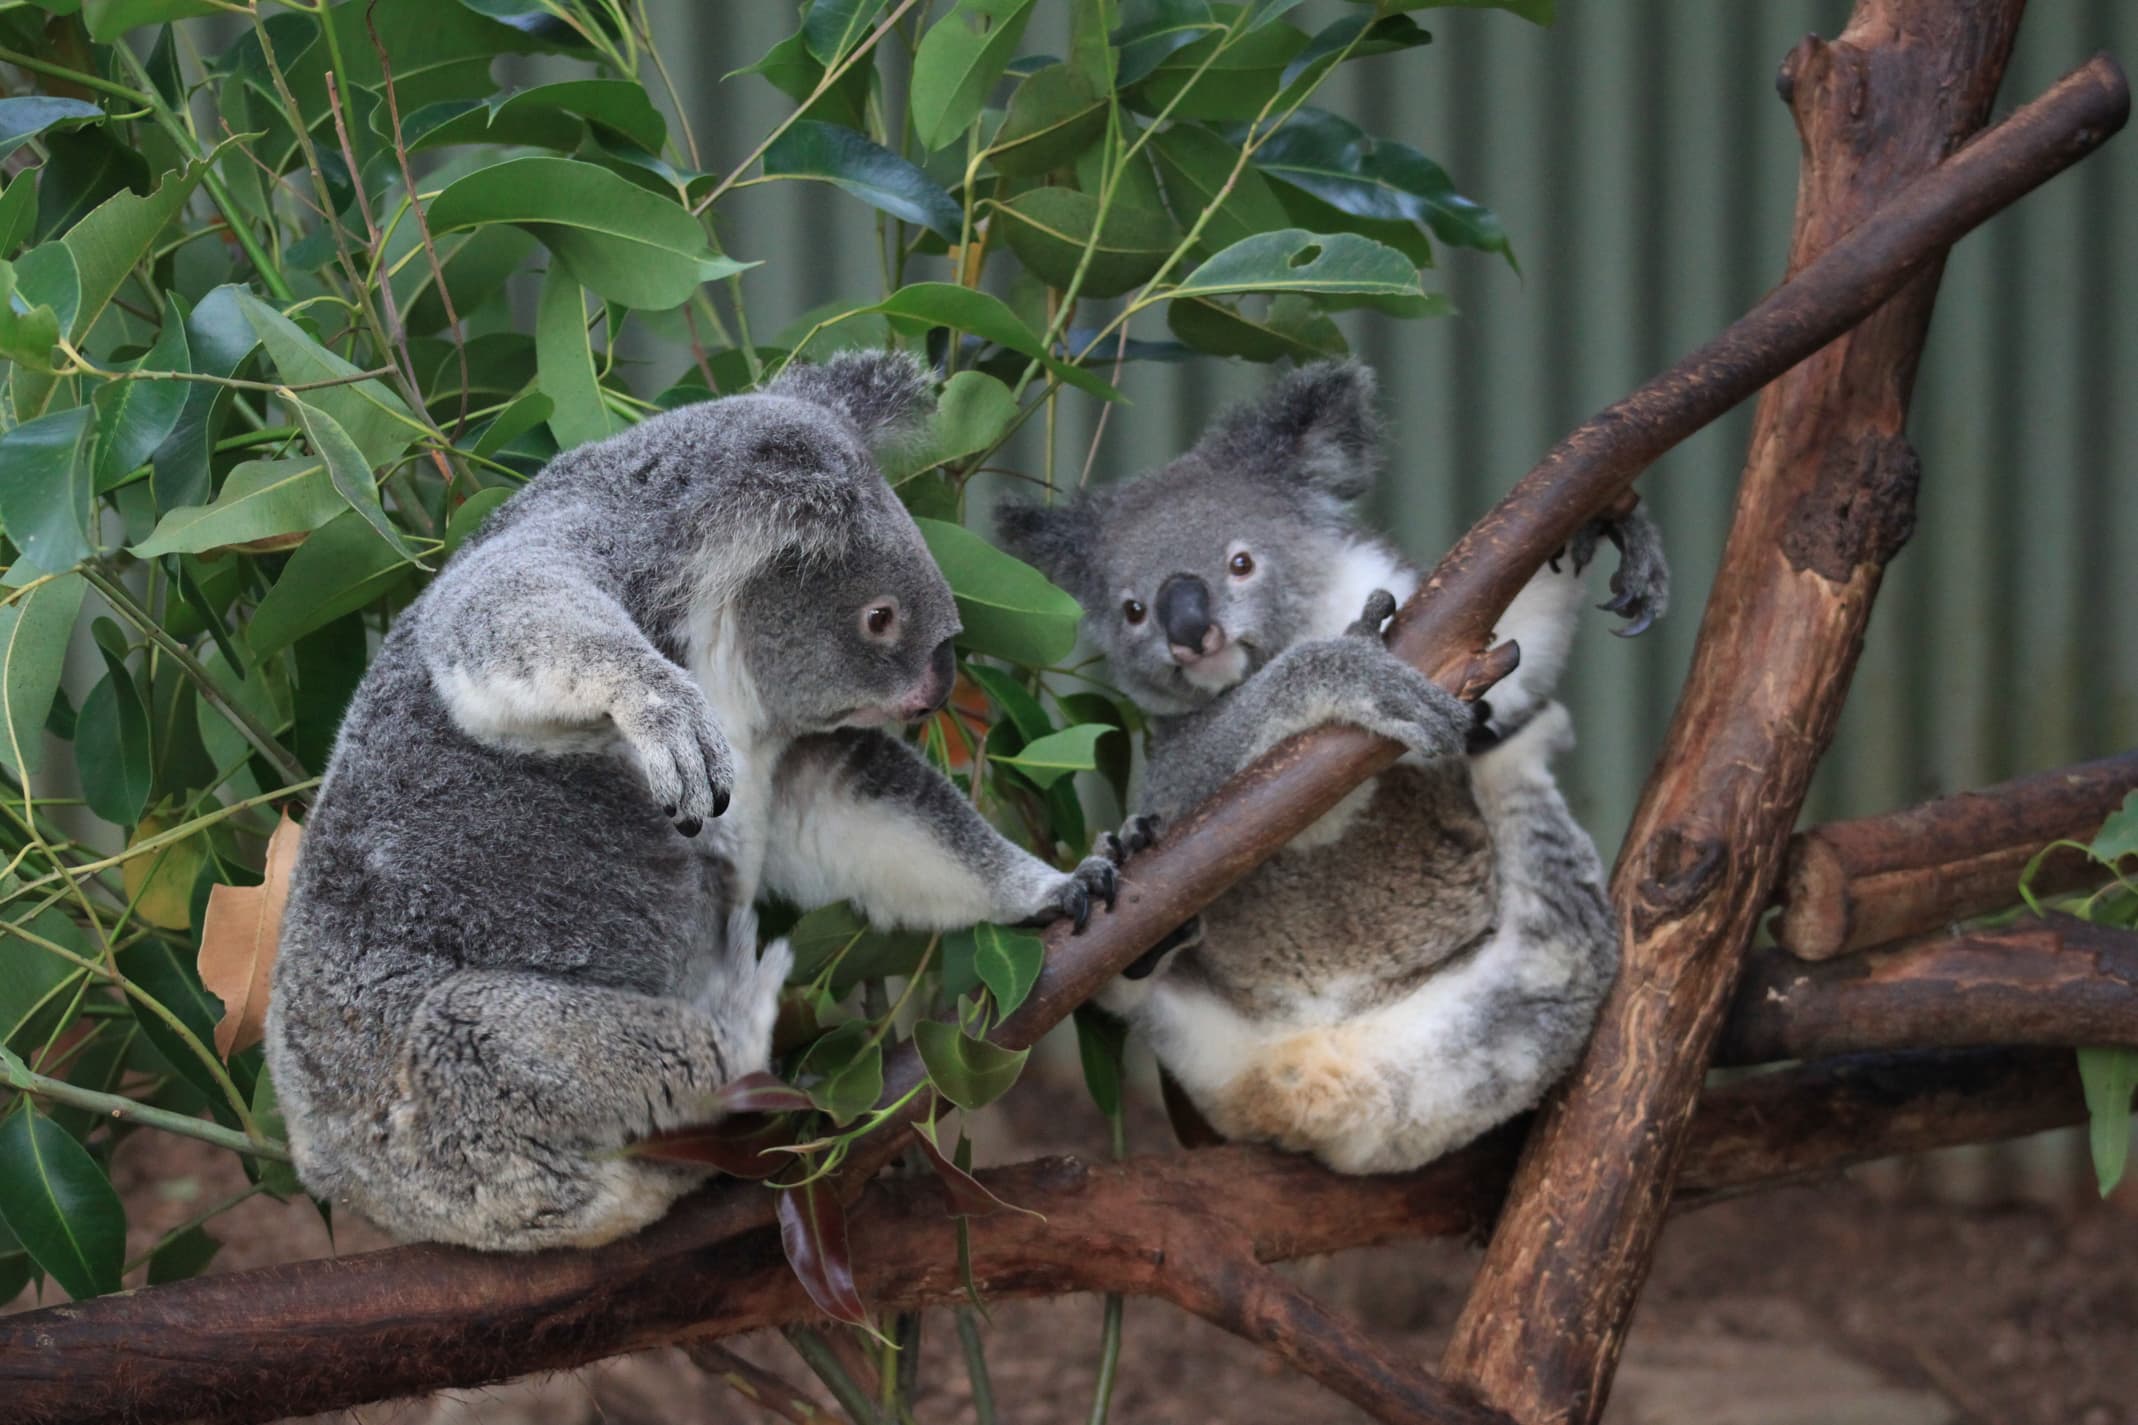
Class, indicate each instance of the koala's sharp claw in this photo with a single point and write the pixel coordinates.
(1115, 851)
(720, 800)
(1639, 626)
(669, 811)
(690, 825)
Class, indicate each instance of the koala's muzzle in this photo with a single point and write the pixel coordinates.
(1184, 614)
(934, 688)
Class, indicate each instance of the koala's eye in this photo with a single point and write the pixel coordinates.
(879, 620)
(1241, 565)
(1133, 610)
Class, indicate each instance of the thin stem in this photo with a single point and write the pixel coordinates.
(817, 1354)
(75, 76)
(263, 741)
(983, 1390)
(19, 1075)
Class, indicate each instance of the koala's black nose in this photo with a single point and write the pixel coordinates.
(1184, 614)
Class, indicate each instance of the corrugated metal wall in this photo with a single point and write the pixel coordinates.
(1646, 173)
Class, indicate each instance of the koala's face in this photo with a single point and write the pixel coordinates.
(1196, 575)
(854, 640)
(1196, 579)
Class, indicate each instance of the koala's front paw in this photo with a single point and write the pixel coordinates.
(1139, 834)
(685, 759)
(1374, 689)
(1094, 879)
(1380, 608)
(1640, 586)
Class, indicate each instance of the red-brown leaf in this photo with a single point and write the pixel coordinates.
(759, 1093)
(238, 940)
(738, 1145)
(812, 1230)
(969, 1197)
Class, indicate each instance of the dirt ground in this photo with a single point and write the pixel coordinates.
(1863, 1300)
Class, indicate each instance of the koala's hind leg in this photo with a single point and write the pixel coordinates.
(516, 1091)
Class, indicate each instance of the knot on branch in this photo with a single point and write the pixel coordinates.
(1681, 868)
(1859, 509)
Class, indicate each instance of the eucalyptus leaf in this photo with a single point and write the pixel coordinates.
(1009, 962)
(867, 170)
(59, 1205)
(1217, 77)
(2109, 1075)
(971, 1073)
(1052, 115)
(1050, 228)
(376, 421)
(1195, 166)
(1009, 609)
(987, 317)
(134, 416)
(1153, 29)
(830, 28)
(25, 117)
(34, 630)
(343, 567)
(564, 362)
(109, 19)
(46, 489)
(1048, 759)
(111, 740)
(350, 472)
(1332, 264)
(261, 500)
(957, 64)
(1291, 329)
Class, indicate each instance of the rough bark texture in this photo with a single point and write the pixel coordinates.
(2060, 981)
(1853, 884)
(1828, 496)
(1194, 1228)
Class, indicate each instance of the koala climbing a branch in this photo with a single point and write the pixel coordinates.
(1426, 960)
(519, 933)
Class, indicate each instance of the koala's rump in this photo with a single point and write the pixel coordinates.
(428, 853)
(1407, 881)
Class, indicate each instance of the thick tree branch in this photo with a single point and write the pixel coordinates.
(1828, 496)
(1194, 1228)
(2054, 982)
(1853, 884)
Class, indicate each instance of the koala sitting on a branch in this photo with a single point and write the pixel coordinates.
(501, 962)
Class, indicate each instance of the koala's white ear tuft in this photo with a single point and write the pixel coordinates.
(1317, 425)
(1057, 540)
(886, 394)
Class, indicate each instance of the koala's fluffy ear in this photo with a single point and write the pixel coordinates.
(1057, 540)
(884, 393)
(1317, 426)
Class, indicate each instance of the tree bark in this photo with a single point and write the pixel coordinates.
(1194, 1228)
(1828, 496)
(2054, 982)
(1849, 885)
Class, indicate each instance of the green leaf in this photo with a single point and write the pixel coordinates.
(18, 211)
(523, 415)
(1027, 718)
(1050, 758)
(972, 414)
(616, 104)
(36, 985)
(1009, 609)
(971, 1073)
(350, 472)
(330, 662)
(59, 1205)
(1293, 328)
(111, 746)
(22, 119)
(1153, 29)
(1052, 115)
(832, 27)
(343, 567)
(1009, 962)
(185, 1255)
(134, 417)
(34, 631)
(843, 1072)
(45, 489)
(945, 304)
(789, 68)
(471, 514)
(2109, 1076)
(219, 337)
(1100, 1039)
(564, 361)
(279, 1179)
(1383, 35)
(2118, 836)
(1195, 164)
(869, 171)
(1331, 264)
(630, 245)
(1339, 163)
(121, 232)
(26, 336)
(163, 970)
(375, 420)
(1049, 228)
(109, 19)
(261, 499)
(1537, 12)
(956, 65)
(834, 932)
(1240, 78)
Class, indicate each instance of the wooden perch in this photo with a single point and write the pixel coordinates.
(1828, 496)
(1853, 884)
(1198, 1229)
(2059, 981)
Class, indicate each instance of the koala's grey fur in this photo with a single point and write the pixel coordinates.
(1425, 961)
(501, 962)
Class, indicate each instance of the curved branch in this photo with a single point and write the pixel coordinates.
(1848, 885)
(2058, 981)
(1188, 1227)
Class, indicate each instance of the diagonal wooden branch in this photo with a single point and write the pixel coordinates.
(1828, 497)
(1198, 1229)
(2056, 981)
(1852, 884)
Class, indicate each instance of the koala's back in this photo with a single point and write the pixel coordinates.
(1355, 920)
(429, 853)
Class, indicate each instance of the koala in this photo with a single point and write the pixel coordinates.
(517, 939)
(1426, 960)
